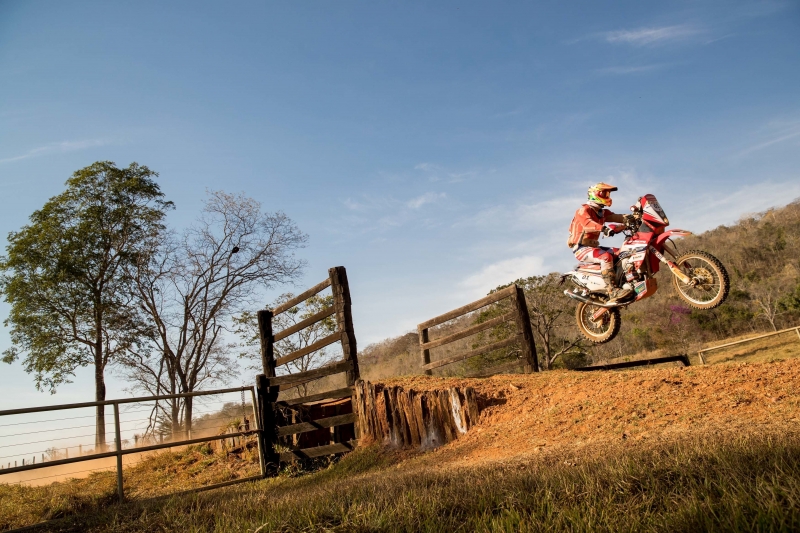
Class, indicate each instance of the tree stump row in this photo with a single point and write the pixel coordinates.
(403, 418)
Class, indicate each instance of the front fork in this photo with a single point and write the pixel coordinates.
(672, 266)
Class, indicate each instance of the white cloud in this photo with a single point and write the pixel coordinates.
(427, 198)
(792, 132)
(427, 167)
(502, 272)
(65, 146)
(709, 209)
(513, 113)
(629, 70)
(351, 204)
(648, 36)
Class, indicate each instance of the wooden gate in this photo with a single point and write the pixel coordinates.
(317, 424)
(518, 314)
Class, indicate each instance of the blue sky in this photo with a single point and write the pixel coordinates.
(434, 149)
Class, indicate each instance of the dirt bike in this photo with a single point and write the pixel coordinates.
(700, 278)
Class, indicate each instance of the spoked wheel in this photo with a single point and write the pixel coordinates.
(710, 283)
(600, 330)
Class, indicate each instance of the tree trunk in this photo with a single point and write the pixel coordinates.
(99, 396)
(188, 416)
(175, 416)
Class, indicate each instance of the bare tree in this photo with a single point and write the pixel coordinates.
(197, 282)
(551, 318)
(767, 296)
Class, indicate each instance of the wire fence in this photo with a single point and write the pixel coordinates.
(38, 447)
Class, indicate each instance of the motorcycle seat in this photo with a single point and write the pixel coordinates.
(588, 266)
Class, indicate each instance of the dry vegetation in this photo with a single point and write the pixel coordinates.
(155, 475)
(751, 483)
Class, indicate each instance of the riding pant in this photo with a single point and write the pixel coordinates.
(600, 254)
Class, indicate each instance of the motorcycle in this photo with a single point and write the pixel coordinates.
(699, 278)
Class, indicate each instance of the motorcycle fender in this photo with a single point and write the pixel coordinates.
(670, 233)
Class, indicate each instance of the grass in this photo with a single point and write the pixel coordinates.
(156, 475)
(702, 484)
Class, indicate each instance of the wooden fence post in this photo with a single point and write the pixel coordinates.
(344, 320)
(523, 320)
(267, 342)
(268, 435)
(426, 354)
(267, 395)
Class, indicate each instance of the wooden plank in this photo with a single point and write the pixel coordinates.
(311, 375)
(344, 319)
(302, 297)
(474, 306)
(325, 313)
(474, 353)
(336, 393)
(314, 425)
(318, 451)
(467, 332)
(640, 362)
(330, 339)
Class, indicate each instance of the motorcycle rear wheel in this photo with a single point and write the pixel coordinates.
(712, 283)
(602, 331)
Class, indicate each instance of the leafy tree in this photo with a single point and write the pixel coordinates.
(64, 275)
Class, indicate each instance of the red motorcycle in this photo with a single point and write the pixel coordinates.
(700, 278)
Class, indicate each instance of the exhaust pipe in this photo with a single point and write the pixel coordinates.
(586, 300)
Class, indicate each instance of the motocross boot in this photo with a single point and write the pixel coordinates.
(615, 294)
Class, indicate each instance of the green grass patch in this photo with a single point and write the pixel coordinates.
(702, 484)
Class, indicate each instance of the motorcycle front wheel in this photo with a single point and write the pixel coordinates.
(599, 331)
(710, 283)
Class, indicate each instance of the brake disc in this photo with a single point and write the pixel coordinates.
(702, 278)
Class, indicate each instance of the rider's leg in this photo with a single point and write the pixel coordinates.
(598, 255)
(603, 256)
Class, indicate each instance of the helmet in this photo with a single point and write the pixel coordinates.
(600, 193)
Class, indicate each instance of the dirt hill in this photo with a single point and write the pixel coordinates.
(528, 414)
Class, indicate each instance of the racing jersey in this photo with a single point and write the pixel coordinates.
(587, 224)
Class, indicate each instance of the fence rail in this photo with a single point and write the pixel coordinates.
(119, 452)
(519, 314)
(700, 353)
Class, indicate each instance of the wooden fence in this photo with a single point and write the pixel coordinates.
(308, 419)
(796, 329)
(519, 314)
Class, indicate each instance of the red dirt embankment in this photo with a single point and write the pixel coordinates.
(528, 414)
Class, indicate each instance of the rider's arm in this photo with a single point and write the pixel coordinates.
(608, 216)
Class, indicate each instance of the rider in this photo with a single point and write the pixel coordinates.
(584, 234)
